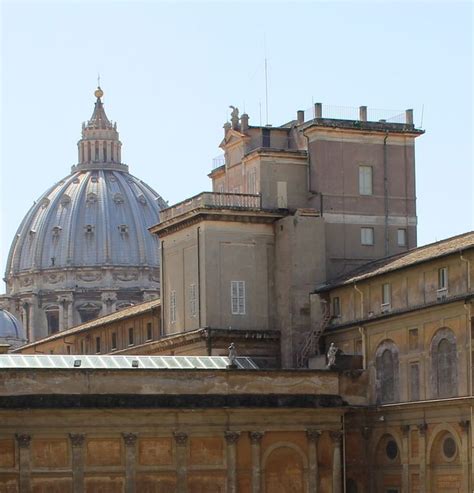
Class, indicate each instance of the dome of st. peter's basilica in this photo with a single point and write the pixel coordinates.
(83, 249)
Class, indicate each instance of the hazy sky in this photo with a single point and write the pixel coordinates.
(170, 70)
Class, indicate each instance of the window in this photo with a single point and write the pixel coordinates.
(367, 236)
(114, 341)
(149, 331)
(265, 137)
(365, 180)
(82, 346)
(68, 349)
(386, 294)
(402, 237)
(237, 295)
(252, 181)
(413, 339)
(387, 372)
(52, 317)
(97, 344)
(414, 381)
(173, 307)
(336, 307)
(443, 278)
(130, 336)
(192, 300)
(444, 374)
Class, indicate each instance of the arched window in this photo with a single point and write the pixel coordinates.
(444, 364)
(387, 369)
(52, 318)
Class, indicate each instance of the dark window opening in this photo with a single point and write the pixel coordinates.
(265, 137)
(52, 317)
(130, 336)
(149, 331)
(114, 340)
(97, 344)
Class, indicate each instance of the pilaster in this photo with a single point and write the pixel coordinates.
(336, 437)
(255, 440)
(405, 457)
(130, 440)
(77, 445)
(231, 438)
(313, 470)
(24, 441)
(181, 439)
(424, 478)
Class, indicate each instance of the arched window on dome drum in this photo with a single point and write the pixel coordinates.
(112, 152)
(52, 318)
(89, 156)
(96, 152)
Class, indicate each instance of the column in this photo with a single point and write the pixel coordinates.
(231, 438)
(130, 440)
(464, 455)
(366, 432)
(24, 441)
(255, 440)
(313, 479)
(405, 457)
(77, 445)
(181, 439)
(336, 437)
(424, 480)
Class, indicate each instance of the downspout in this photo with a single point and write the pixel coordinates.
(344, 453)
(361, 300)
(364, 347)
(385, 192)
(162, 270)
(199, 274)
(467, 307)
(308, 175)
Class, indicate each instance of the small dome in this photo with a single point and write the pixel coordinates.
(11, 330)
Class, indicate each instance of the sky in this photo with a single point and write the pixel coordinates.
(169, 72)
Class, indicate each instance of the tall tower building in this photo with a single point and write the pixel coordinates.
(83, 249)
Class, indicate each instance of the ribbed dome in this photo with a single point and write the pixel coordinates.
(11, 330)
(84, 249)
(91, 218)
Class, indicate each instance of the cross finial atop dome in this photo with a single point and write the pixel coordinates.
(98, 92)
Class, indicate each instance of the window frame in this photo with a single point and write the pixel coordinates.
(131, 337)
(363, 239)
(113, 341)
(173, 306)
(97, 345)
(366, 180)
(192, 300)
(405, 237)
(442, 278)
(336, 306)
(386, 294)
(149, 331)
(237, 298)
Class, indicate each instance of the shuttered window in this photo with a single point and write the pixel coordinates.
(237, 295)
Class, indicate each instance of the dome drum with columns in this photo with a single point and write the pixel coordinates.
(84, 250)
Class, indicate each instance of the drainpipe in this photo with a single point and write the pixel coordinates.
(199, 274)
(468, 265)
(361, 300)
(162, 270)
(385, 192)
(467, 307)
(364, 347)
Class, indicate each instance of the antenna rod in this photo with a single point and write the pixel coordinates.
(266, 78)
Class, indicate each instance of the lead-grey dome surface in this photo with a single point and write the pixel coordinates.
(90, 218)
(11, 330)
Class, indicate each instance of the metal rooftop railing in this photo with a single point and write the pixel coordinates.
(211, 200)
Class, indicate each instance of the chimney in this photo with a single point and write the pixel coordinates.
(318, 110)
(409, 117)
(363, 113)
(244, 123)
(300, 117)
